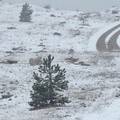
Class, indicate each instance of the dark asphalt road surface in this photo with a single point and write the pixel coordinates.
(112, 44)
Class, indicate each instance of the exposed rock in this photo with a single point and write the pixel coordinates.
(6, 96)
(9, 61)
(11, 28)
(57, 34)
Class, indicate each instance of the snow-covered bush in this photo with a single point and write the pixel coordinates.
(25, 15)
(49, 84)
(84, 18)
(35, 61)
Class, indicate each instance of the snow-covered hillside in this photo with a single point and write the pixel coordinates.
(94, 90)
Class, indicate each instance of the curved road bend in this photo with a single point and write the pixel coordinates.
(100, 45)
(112, 44)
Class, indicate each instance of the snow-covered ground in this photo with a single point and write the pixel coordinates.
(94, 90)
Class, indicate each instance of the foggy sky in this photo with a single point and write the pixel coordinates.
(86, 5)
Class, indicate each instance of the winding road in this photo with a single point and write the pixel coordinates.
(111, 45)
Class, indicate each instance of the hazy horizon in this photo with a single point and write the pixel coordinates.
(85, 5)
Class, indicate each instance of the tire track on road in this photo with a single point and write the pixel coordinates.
(101, 44)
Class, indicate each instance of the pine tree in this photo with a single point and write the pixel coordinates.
(25, 15)
(49, 84)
